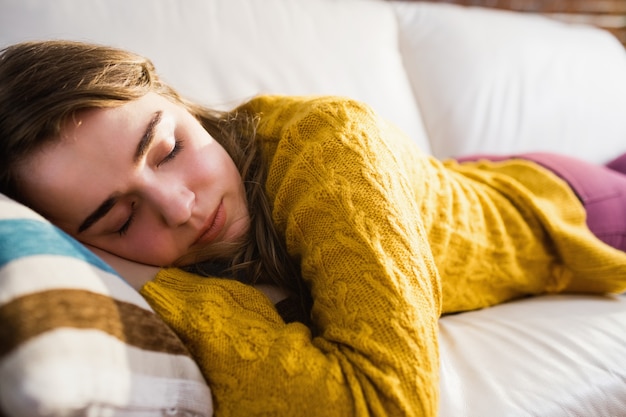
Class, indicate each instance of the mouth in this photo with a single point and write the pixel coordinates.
(213, 226)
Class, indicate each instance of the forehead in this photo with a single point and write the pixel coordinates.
(125, 115)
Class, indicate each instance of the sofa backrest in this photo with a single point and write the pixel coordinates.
(222, 52)
(496, 81)
(458, 80)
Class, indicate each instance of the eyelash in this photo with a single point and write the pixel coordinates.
(122, 230)
(178, 146)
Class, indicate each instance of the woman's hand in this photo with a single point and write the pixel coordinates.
(134, 273)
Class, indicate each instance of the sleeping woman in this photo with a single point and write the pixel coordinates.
(302, 247)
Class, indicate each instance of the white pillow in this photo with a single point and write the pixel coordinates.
(76, 339)
(495, 81)
(222, 52)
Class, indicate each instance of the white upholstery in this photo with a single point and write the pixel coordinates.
(457, 80)
(224, 52)
(544, 356)
(497, 81)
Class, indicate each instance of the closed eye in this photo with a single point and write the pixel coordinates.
(178, 146)
(122, 230)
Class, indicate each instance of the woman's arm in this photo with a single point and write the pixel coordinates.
(342, 195)
(134, 273)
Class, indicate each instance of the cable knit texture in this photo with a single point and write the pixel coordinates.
(387, 238)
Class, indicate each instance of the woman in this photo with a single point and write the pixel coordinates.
(312, 199)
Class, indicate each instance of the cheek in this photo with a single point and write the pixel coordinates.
(201, 162)
(203, 170)
(153, 246)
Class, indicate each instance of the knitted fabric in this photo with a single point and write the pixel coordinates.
(387, 238)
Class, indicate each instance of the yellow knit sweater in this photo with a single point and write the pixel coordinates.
(387, 238)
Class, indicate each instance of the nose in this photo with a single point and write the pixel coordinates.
(173, 203)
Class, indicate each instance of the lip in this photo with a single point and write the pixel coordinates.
(213, 225)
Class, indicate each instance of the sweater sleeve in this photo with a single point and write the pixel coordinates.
(349, 216)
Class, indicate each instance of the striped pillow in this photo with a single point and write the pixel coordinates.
(75, 339)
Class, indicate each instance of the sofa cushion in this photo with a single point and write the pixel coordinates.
(496, 81)
(76, 339)
(553, 355)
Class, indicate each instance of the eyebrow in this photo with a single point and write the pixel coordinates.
(148, 137)
(142, 149)
(97, 214)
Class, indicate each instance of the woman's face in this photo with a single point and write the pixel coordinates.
(143, 181)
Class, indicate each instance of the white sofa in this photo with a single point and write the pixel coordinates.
(458, 81)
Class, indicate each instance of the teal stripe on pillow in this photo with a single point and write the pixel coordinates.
(26, 237)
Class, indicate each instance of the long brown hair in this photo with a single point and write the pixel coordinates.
(42, 84)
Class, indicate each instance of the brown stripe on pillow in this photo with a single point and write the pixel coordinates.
(30, 315)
